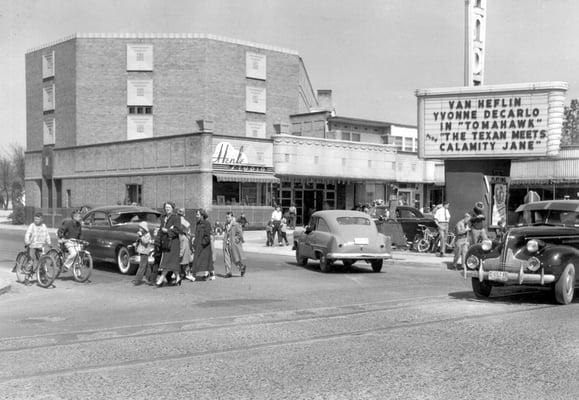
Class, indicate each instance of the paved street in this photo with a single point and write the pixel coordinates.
(284, 331)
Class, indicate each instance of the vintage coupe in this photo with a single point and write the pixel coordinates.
(340, 235)
(112, 230)
(542, 250)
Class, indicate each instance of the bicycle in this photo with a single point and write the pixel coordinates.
(27, 269)
(82, 264)
(425, 240)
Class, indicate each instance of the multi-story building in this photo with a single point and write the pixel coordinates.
(200, 120)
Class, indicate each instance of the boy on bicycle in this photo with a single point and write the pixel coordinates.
(70, 229)
(36, 237)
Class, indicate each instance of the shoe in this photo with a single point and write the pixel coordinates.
(227, 275)
(178, 281)
(242, 268)
(137, 283)
(160, 281)
(190, 277)
(212, 277)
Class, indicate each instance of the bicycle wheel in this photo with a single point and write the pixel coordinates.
(82, 267)
(56, 258)
(47, 271)
(23, 267)
(422, 245)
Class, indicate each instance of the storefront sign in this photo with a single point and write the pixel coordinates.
(225, 153)
(502, 121)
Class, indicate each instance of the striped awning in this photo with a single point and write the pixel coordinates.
(245, 177)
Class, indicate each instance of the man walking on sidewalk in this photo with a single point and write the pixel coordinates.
(442, 218)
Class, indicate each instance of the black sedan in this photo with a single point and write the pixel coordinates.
(409, 219)
(112, 230)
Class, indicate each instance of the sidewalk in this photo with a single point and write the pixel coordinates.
(255, 243)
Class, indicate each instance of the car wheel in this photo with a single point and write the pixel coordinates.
(377, 265)
(300, 260)
(325, 264)
(481, 290)
(124, 262)
(565, 286)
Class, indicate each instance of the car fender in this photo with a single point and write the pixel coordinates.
(555, 258)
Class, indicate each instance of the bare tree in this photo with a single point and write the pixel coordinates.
(570, 134)
(12, 176)
(5, 180)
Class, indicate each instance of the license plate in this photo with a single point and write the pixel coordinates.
(360, 240)
(500, 276)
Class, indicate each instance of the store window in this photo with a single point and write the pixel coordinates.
(241, 193)
(134, 194)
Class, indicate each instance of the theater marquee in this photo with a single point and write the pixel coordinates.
(499, 121)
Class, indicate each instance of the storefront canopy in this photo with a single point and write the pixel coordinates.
(245, 177)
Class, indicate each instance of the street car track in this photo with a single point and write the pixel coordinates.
(255, 320)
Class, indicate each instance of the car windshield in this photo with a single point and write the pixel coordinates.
(123, 218)
(549, 217)
(353, 221)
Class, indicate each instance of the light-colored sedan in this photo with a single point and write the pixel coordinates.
(340, 235)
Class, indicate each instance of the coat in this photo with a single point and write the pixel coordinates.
(234, 241)
(170, 259)
(203, 257)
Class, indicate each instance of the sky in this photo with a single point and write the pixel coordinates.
(372, 54)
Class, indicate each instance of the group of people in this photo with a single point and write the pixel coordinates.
(278, 225)
(469, 230)
(177, 254)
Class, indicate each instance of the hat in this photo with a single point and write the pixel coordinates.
(143, 225)
(181, 211)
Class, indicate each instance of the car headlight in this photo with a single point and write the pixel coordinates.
(534, 264)
(486, 245)
(472, 262)
(532, 246)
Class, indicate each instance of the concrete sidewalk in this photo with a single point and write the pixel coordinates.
(255, 243)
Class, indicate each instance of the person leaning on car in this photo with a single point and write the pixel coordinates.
(442, 218)
(461, 243)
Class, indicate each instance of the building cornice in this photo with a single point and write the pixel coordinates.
(304, 140)
(163, 36)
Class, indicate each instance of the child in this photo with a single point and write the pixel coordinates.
(185, 250)
(269, 233)
(283, 229)
(36, 237)
(143, 249)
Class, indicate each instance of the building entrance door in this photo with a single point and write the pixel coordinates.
(313, 201)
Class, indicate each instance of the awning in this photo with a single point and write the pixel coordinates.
(245, 177)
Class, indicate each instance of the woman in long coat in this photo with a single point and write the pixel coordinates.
(168, 242)
(233, 246)
(203, 257)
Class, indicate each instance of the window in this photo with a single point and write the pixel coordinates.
(139, 57)
(408, 144)
(48, 65)
(255, 99)
(345, 135)
(98, 219)
(322, 226)
(134, 194)
(140, 110)
(355, 137)
(256, 129)
(48, 130)
(140, 92)
(48, 98)
(353, 221)
(286, 157)
(255, 65)
(139, 126)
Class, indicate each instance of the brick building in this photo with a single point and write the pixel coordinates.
(202, 120)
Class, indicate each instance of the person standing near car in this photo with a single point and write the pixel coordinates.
(442, 219)
(233, 246)
(461, 243)
(292, 216)
(276, 217)
(478, 230)
(143, 249)
(169, 245)
(202, 248)
(68, 233)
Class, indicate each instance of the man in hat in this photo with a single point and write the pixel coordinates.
(478, 230)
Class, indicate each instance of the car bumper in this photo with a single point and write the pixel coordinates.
(508, 277)
(358, 256)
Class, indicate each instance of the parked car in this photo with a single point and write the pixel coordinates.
(340, 235)
(409, 219)
(112, 230)
(542, 250)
